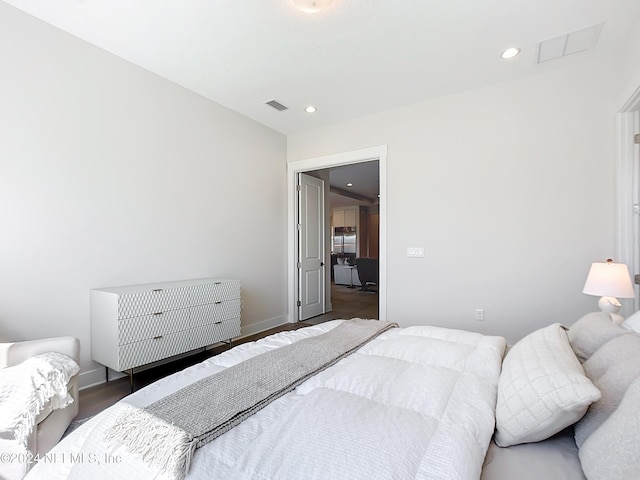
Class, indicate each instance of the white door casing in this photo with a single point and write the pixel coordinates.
(311, 262)
(346, 158)
(628, 192)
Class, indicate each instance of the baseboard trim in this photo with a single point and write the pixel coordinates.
(95, 377)
(262, 326)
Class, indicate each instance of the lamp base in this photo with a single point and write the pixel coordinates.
(609, 304)
(616, 318)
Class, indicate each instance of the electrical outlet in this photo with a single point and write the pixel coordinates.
(479, 314)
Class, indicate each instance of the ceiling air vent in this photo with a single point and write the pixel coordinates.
(276, 104)
(569, 43)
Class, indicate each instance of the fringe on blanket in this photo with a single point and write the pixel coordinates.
(41, 379)
(157, 442)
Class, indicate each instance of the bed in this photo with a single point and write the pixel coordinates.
(419, 402)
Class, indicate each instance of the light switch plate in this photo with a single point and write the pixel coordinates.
(415, 252)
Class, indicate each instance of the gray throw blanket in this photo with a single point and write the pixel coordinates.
(167, 432)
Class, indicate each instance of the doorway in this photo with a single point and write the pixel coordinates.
(351, 239)
(378, 154)
(628, 190)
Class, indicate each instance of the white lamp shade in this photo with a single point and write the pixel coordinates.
(609, 280)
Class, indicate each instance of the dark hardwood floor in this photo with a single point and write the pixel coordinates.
(347, 303)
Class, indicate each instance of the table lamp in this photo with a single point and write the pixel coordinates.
(609, 280)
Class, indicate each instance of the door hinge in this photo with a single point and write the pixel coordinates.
(299, 187)
(299, 303)
(299, 264)
(636, 138)
(637, 279)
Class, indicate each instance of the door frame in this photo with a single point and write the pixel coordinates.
(627, 176)
(378, 153)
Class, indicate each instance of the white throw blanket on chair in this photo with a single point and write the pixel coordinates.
(26, 388)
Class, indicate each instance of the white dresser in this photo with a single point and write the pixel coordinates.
(139, 324)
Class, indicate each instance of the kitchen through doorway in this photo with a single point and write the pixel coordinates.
(344, 300)
(352, 234)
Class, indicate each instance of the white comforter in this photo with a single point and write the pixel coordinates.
(416, 403)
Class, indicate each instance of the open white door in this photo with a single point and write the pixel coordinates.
(311, 262)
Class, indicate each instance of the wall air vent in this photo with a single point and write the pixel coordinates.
(276, 104)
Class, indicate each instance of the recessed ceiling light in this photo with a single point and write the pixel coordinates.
(311, 6)
(310, 109)
(349, 184)
(510, 53)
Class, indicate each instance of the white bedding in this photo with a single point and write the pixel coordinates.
(554, 458)
(416, 403)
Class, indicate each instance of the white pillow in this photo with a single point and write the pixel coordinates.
(590, 332)
(612, 452)
(611, 369)
(542, 388)
(633, 322)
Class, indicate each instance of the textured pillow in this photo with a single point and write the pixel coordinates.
(591, 332)
(612, 452)
(542, 388)
(612, 369)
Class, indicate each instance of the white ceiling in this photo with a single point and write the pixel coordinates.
(357, 57)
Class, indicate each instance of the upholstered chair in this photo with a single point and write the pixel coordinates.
(52, 421)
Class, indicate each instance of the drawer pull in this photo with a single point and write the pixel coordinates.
(157, 290)
(157, 313)
(158, 337)
(217, 323)
(217, 303)
(218, 283)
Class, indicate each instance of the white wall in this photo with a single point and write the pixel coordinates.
(629, 74)
(110, 175)
(508, 188)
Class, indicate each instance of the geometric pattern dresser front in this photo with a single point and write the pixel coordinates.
(139, 324)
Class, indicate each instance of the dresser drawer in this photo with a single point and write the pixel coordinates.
(215, 332)
(153, 349)
(215, 292)
(134, 325)
(214, 312)
(149, 326)
(145, 302)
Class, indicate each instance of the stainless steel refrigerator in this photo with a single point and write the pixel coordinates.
(344, 240)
